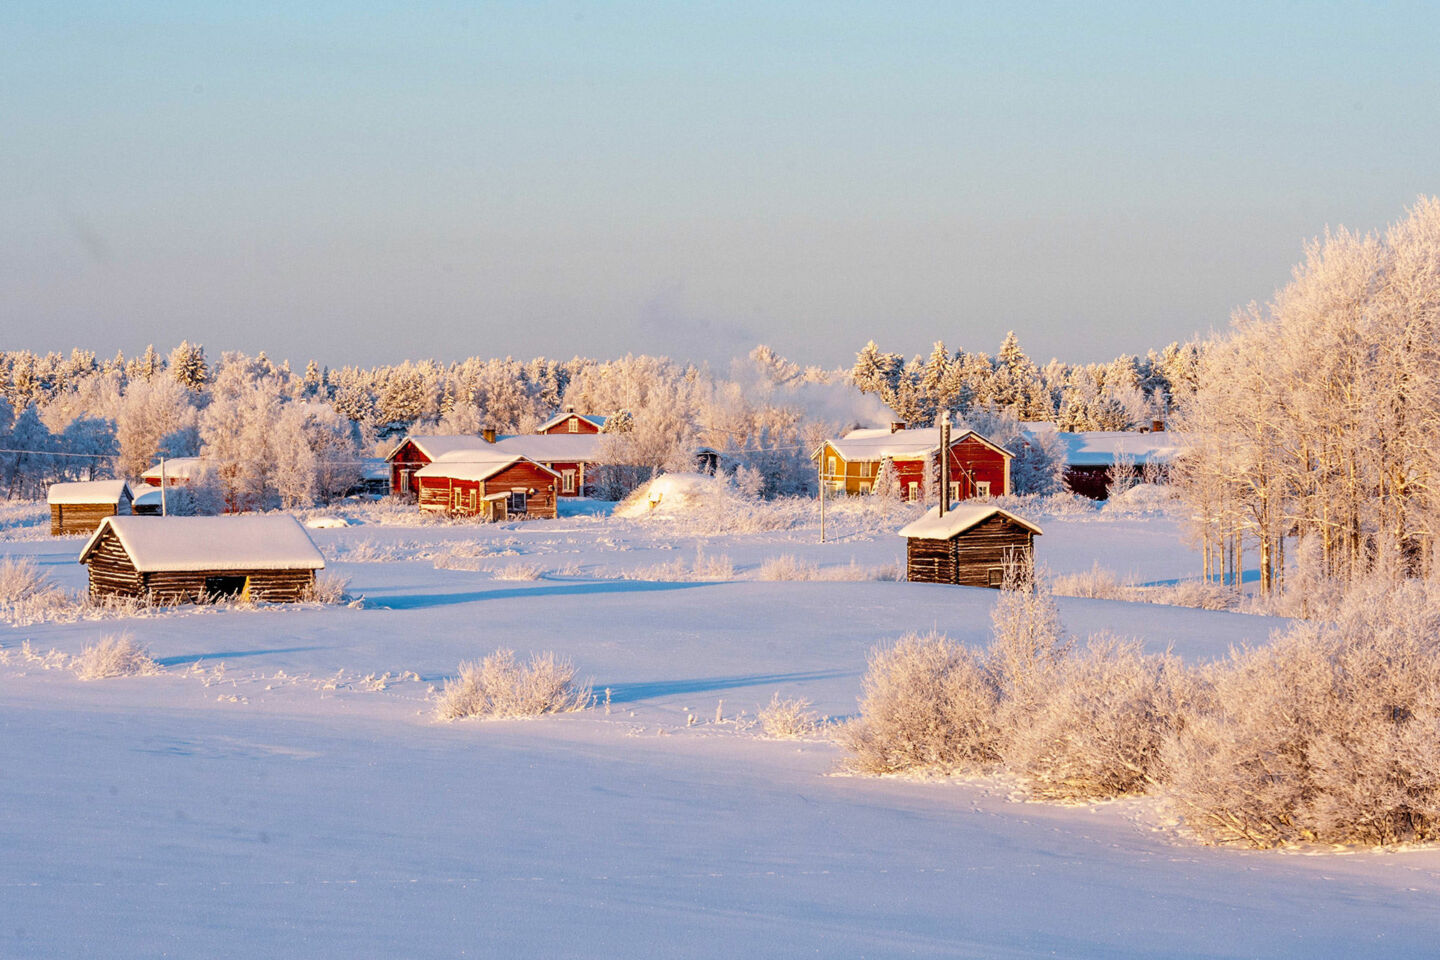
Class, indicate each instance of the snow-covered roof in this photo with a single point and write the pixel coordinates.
(553, 447)
(475, 465)
(958, 519)
(1100, 447)
(912, 444)
(177, 468)
(438, 446)
(149, 496)
(599, 422)
(88, 491)
(264, 542)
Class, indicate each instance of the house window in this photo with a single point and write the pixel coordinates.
(864, 488)
(996, 576)
(574, 425)
(517, 502)
(866, 468)
(914, 489)
(568, 477)
(830, 466)
(982, 488)
(954, 489)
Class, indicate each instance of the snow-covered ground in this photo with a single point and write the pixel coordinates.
(292, 796)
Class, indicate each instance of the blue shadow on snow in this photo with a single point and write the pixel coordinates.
(632, 692)
(423, 600)
(229, 655)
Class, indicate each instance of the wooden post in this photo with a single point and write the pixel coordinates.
(820, 471)
(944, 462)
(163, 511)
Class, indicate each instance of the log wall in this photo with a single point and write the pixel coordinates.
(80, 517)
(968, 558)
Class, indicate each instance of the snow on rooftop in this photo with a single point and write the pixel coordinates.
(553, 447)
(251, 542)
(1099, 448)
(880, 443)
(958, 519)
(438, 446)
(87, 491)
(177, 468)
(567, 414)
(473, 465)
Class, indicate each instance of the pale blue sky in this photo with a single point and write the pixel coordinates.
(365, 182)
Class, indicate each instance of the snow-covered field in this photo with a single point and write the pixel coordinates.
(292, 796)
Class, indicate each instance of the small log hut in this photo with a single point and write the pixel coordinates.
(79, 507)
(192, 559)
(972, 545)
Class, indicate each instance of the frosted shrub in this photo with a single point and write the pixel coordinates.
(114, 657)
(1200, 594)
(1028, 645)
(929, 703)
(716, 567)
(326, 588)
(21, 580)
(1331, 733)
(788, 719)
(785, 567)
(518, 571)
(1099, 730)
(1095, 583)
(500, 686)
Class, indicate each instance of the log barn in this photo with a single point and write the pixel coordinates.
(79, 507)
(190, 559)
(489, 484)
(973, 545)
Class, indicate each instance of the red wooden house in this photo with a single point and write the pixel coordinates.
(412, 453)
(570, 455)
(487, 483)
(978, 467)
(568, 421)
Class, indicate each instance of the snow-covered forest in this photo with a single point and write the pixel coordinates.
(276, 436)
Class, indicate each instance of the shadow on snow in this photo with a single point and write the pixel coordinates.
(633, 692)
(424, 600)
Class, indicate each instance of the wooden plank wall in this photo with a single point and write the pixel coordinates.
(79, 517)
(968, 558)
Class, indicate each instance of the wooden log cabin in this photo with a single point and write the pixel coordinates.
(170, 560)
(979, 467)
(79, 507)
(972, 545)
(488, 484)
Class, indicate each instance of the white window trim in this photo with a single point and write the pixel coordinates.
(569, 481)
(574, 423)
(982, 488)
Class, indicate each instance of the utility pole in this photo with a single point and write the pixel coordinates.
(163, 511)
(820, 472)
(944, 462)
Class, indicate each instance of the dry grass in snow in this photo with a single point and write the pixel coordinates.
(500, 686)
(788, 719)
(114, 656)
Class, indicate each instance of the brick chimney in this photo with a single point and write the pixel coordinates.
(1157, 426)
(488, 434)
(897, 425)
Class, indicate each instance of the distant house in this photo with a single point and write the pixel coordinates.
(79, 507)
(412, 453)
(1091, 457)
(190, 559)
(569, 455)
(978, 467)
(178, 471)
(972, 545)
(568, 421)
(490, 484)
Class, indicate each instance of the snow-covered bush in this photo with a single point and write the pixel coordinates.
(21, 579)
(518, 571)
(1099, 729)
(785, 567)
(1096, 583)
(929, 704)
(1201, 594)
(784, 719)
(326, 588)
(114, 656)
(500, 686)
(1027, 646)
(1331, 733)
